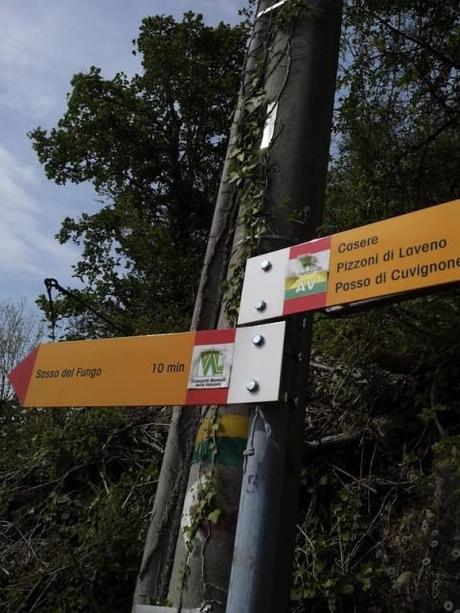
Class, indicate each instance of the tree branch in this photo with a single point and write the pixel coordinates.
(420, 43)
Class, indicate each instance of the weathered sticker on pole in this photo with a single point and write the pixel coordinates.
(395, 256)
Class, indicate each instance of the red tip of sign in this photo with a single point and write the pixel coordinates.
(20, 376)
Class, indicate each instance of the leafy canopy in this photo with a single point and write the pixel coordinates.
(380, 514)
(153, 147)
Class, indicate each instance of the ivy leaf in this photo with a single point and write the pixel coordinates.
(214, 516)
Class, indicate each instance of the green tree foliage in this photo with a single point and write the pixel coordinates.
(379, 526)
(153, 148)
(76, 489)
(398, 122)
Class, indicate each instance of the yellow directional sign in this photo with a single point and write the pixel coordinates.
(166, 369)
(395, 256)
(401, 254)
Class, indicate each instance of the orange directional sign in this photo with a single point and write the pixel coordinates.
(398, 255)
(166, 369)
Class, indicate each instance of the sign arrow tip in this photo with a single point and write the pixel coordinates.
(21, 375)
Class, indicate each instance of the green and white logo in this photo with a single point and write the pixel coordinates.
(211, 366)
(211, 363)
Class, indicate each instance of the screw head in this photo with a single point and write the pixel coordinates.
(261, 306)
(426, 561)
(258, 340)
(266, 265)
(252, 386)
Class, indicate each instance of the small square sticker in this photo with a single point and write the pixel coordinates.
(211, 367)
(307, 274)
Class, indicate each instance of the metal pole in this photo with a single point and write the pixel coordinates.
(303, 84)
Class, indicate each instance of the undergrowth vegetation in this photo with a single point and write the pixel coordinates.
(76, 491)
(379, 526)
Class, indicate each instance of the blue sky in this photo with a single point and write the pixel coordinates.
(42, 44)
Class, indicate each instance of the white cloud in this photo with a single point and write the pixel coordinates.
(226, 9)
(42, 44)
(27, 244)
(23, 88)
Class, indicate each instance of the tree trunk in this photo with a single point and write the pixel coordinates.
(155, 573)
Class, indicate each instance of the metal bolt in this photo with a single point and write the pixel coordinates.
(266, 265)
(261, 305)
(252, 386)
(426, 561)
(456, 553)
(258, 340)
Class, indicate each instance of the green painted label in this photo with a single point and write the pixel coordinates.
(212, 363)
